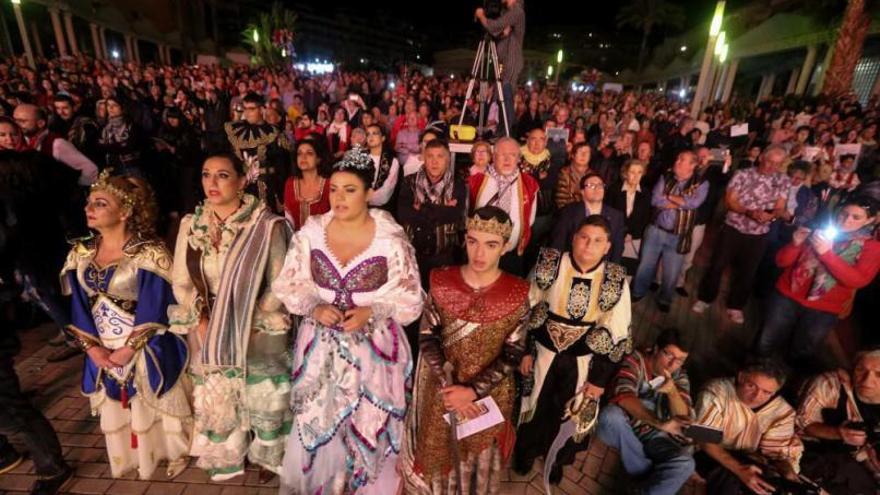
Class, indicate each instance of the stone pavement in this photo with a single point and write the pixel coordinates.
(55, 388)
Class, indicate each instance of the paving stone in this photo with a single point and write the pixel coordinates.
(162, 488)
(90, 486)
(16, 482)
(125, 487)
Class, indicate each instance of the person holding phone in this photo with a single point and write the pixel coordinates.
(758, 431)
(840, 413)
(823, 269)
(648, 414)
(755, 198)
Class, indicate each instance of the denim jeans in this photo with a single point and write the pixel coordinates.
(666, 463)
(792, 329)
(18, 418)
(658, 245)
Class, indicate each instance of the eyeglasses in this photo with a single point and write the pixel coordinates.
(374, 133)
(594, 187)
(670, 356)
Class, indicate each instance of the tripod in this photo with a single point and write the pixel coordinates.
(486, 54)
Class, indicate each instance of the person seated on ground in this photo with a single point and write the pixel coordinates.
(758, 429)
(644, 420)
(838, 418)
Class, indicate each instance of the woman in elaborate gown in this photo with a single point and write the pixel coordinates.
(119, 283)
(351, 273)
(227, 254)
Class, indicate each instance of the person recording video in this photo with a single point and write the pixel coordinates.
(507, 29)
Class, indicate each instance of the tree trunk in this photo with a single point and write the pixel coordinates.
(847, 49)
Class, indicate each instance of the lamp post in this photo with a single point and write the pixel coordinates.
(549, 71)
(16, 7)
(703, 82)
(558, 65)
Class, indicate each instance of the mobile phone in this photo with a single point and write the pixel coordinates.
(703, 434)
(353, 97)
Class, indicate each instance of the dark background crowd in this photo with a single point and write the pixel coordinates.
(631, 156)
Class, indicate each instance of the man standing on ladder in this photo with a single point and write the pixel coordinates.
(508, 31)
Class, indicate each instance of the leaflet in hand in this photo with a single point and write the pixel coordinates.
(489, 416)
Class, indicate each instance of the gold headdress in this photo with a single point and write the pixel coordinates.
(490, 226)
(103, 184)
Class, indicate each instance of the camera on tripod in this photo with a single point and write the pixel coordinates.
(492, 8)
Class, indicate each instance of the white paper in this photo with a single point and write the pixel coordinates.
(490, 417)
(810, 153)
(739, 130)
(846, 149)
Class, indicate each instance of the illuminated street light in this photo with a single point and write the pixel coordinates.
(559, 56)
(256, 36)
(683, 48)
(723, 55)
(115, 53)
(719, 42)
(549, 71)
(715, 27)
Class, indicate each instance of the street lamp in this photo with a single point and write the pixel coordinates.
(683, 48)
(549, 71)
(722, 56)
(256, 36)
(717, 19)
(25, 41)
(719, 42)
(558, 64)
(704, 83)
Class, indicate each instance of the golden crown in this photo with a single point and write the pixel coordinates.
(490, 226)
(103, 184)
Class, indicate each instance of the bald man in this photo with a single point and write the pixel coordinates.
(516, 193)
(33, 122)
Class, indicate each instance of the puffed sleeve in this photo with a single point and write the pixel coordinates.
(270, 315)
(401, 298)
(294, 286)
(183, 316)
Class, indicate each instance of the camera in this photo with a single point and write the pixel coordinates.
(492, 8)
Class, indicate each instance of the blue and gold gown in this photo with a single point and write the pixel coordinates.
(145, 414)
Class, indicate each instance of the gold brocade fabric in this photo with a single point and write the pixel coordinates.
(476, 327)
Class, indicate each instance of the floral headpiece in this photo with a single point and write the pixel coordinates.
(103, 184)
(490, 226)
(355, 159)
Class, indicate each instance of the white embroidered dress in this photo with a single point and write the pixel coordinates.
(348, 389)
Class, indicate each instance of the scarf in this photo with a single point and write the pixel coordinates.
(504, 197)
(534, 162)
(809, 270)
(117, 131)
(341, 130)
(439, 192)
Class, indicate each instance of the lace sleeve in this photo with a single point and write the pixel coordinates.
(183, 316)
(294, 286)
(402, 298)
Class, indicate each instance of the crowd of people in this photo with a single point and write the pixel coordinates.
(293, 271)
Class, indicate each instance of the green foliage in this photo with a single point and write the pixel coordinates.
(265, 52)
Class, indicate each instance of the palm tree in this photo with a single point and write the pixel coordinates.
(848, 45)
(646, 15)
(265, 51)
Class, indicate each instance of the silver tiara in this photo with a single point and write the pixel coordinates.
(355, 158)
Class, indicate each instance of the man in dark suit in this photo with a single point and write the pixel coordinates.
(592, 192)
